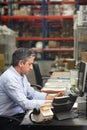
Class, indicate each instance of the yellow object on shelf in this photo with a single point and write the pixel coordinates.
(2, 62)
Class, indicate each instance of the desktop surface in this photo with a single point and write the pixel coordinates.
(78, 121)
(66, 115)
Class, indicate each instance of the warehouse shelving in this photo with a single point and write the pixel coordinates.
(45, 23)
(82, 2)
(80, 31)
(38, 2)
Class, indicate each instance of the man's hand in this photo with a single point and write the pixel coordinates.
(59, 94)
(52, 96)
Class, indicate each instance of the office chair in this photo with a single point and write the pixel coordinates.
(40, 79)
(9, 123)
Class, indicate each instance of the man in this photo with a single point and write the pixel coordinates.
(16, 94)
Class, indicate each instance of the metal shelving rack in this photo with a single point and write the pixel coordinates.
(80, 34)
(44, 18)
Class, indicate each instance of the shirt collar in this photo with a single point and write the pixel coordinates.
(12, 68)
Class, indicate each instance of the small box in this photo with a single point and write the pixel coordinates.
(20, 12)
(52, 44)
(71, 64)
(84, 56)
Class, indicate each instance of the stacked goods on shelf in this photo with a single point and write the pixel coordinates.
(7, 43)
(80, 29)
(42, 21)
(82, 16)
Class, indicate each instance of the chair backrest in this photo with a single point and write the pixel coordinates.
(38, 75)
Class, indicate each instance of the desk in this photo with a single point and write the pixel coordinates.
(79, 123)
(58, 81)
(60, 75)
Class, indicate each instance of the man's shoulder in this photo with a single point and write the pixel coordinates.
(7, 73)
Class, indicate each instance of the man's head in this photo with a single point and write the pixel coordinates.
(22, 60)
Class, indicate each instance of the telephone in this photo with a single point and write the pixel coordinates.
(41, 115)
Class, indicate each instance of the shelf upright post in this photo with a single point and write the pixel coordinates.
(0, 12)
(76, 52)
(76, 6)
(20, 26)
(43, 25)
(76, 33)
(10, 23)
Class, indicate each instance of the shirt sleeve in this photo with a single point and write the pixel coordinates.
(32, 93)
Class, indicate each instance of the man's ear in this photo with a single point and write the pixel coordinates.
(20, 63)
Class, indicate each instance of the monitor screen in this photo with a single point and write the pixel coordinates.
(81, 85)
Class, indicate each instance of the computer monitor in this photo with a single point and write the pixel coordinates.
(82, 78)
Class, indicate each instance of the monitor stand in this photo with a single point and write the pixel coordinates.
(66, 115)
(86, 105)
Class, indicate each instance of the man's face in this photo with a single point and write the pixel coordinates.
(27, 66)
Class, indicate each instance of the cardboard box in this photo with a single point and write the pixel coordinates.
(20, 12)
(84, 56)
(71, 64)
(52, 44)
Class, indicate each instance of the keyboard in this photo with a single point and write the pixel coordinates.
(66, 115)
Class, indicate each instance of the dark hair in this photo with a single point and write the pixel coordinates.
(21, 54)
